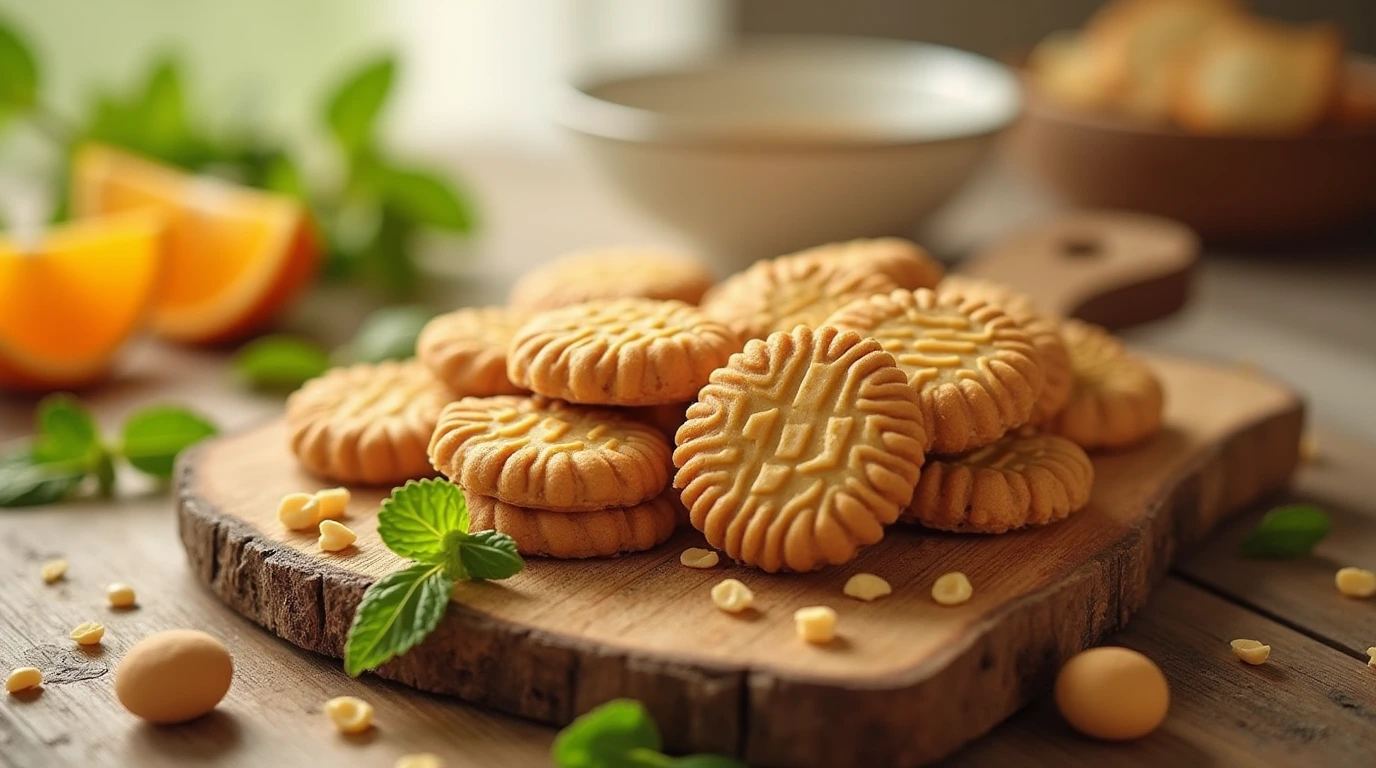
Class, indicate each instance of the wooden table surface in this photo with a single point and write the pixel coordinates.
(1314, 703)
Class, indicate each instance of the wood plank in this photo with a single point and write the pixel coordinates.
(565, 635)
(1308, 705)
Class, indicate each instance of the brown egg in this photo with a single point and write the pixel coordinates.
(173, 676)
(1112, 693)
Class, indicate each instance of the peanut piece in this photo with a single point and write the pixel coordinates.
(697, 557)
(292, 511)
(1371, 652)
(952, 588)
(350, 714)
(732, 596)
(335, 536)
(23, 679)
(1355, 582)
(120, 595)
(867, 587)
(88, 633)
(423, 760)
(815, 624)
(1251, 651)
(53, 570)
(332, 503)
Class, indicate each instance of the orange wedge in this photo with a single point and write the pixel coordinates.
(234, 256)
(70, 301)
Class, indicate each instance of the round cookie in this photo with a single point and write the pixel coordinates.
(572, 535)
(366, 423)
(781, 294)
(545, 454)
(1115, 401)
(905, 262)
(975, 370)
(620, 352)
(612, 273)
(1018, 481)
(466, 349)
(1044, 331)
(800, 450)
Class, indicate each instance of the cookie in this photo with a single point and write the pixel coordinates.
(975, 370)
(1044, 331)
(612, 273)
(905, 262)
(666, 418)
(620, 352)
(800, 450)
(781, 294)
(545, 454)
(366, 423)
(571, 535)
(466, 350)
(1020, 480)
(1115, 399)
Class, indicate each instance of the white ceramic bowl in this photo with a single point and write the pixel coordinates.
(788, 142)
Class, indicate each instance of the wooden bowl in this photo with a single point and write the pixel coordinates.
(1225, 187)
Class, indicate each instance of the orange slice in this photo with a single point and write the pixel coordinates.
(235, 256)
(70, 302)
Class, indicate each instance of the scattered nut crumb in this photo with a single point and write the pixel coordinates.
(1355, 582)
(53, 570)
(293, 513)
(120, 595)
(1371, 662)
(732, 596)
(815, 624)
(350, 714)
(697, 557)
(332, 503)
(423, 760)
(867, 587)
(23, 679)
(1309, 447)
(88, 633)
(1251, 651)
(335, 536)
(952, 588)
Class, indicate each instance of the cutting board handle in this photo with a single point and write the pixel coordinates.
(1108, 267)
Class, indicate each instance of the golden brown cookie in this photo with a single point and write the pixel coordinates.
(466, 350)
(1115, 400)
(1044, 330)
(570, 535)
(535, 452)
(620, 352)
(800, 450)
(366, 423)
(612, 273)
(905, 262)
(780, 294)
(975, 370)
(1018, 481)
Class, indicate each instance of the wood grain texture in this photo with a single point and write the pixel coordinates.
(563, 636)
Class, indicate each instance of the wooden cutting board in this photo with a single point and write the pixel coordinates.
(907, 682)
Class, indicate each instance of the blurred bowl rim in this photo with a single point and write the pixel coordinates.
(580, 109)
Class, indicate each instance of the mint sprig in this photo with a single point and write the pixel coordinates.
(427, 521)
(621, 734)
(1287, 532)
(67, 448)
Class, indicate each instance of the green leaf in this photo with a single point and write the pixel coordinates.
(66, 431)
(606, 737)
(414, 521)
(281, 175)
(386, 260)
(427, 199)
(18, 73)
(163, 124)
(105, 474)
(352, 110)
(483, 555)
(280, 362)
(1287, 532)
(396, 614)
(154, 436)
(26, 481)
(388, 334)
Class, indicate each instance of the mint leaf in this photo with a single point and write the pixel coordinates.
(486, 554)
(18, 73)
(388, 334)
(1287, 532)
(351, 111)
(396, 614)
(606, 736)
(154, 436)
(163, 123)
(26, 481)
(66, 431)
(427, 199)
(280, 362)
(414, 521)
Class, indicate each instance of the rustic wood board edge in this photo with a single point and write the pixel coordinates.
(769, 719)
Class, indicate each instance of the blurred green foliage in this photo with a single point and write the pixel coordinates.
(371, 215)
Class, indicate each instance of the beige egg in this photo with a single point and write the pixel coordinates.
(174, 676)
(1112, 693)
